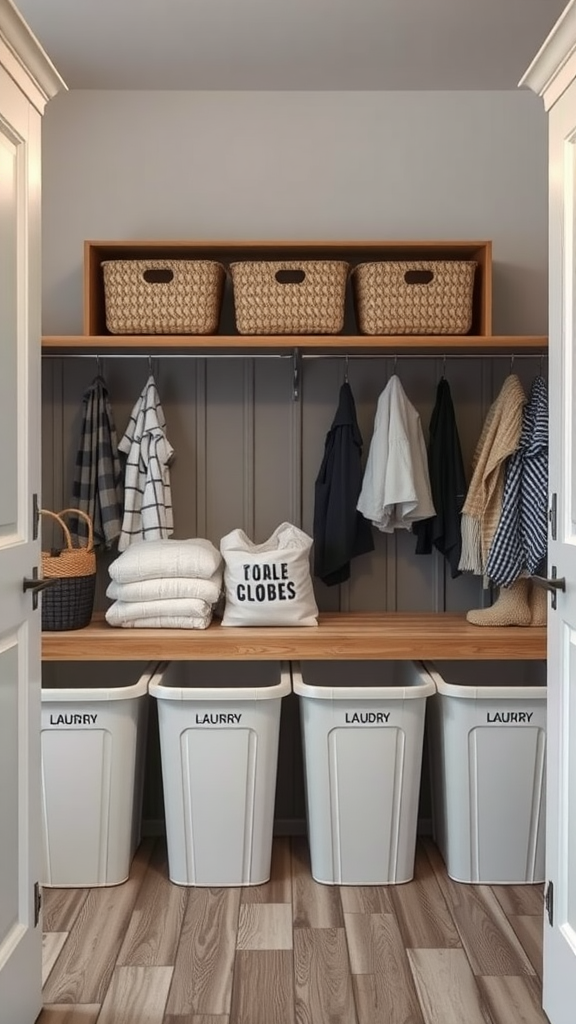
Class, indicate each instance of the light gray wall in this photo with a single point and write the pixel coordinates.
(294, 166)
(406, 165)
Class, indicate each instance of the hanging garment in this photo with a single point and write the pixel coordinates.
(520, 541)
(483, 506)
(147, 494)
(340, 531)
(447, 482)
(97, 484)
(396, 486)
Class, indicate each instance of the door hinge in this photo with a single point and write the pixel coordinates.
(37, 903)
(549, 902)
(552, 516)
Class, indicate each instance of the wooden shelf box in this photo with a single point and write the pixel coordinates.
(226, 252)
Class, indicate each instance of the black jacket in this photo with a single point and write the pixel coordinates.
(340, 531)
(447, 482)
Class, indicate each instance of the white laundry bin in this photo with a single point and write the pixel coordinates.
(94, 723)
(219, 727)
(487, 743)
(363, 728)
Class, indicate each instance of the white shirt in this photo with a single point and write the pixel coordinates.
(396, 486)
(147, 493)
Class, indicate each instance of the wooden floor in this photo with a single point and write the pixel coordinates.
(292, 951)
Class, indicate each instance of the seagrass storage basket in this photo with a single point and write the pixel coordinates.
(289, 297)
(69, 601)
(163, 296)
(414, 297)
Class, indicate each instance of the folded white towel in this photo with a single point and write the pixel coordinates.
(170, 622)
(173, 587)
(159, 559)
(128, 611)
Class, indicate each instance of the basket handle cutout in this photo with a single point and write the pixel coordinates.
(288, 276)
(158, 275)
(419, 276)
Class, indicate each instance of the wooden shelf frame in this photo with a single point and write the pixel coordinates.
(339, 636)
(96, 340)
(480, 345)
(226, 252)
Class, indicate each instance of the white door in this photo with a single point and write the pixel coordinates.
(559, 981)
(20, 933)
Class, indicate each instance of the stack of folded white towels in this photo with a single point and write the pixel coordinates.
(173, 584)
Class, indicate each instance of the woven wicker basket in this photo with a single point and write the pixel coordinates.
(69, 602)
(163, 296)
(289, 297)
(421, 297)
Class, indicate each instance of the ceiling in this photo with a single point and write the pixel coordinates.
(293, 44)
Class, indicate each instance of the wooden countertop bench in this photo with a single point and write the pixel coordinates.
(339, 635)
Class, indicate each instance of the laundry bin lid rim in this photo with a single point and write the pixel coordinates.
(71, 694)
(474, 692)
(160, 691)
(424, 688)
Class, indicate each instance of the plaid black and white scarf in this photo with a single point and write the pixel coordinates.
(97, 486)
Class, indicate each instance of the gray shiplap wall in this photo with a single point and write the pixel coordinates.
(247, 455)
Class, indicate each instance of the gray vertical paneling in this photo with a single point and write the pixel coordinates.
(247, 455)
(296, 434)
(201, 452)
(276, 487)
(229, 467)
(177, 387)
(248, 407)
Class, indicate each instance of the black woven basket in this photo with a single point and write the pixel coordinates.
(68, 603)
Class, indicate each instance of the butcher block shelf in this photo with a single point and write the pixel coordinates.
(339, 635)
(345, 344)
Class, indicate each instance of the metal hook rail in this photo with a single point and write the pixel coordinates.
(297, 356)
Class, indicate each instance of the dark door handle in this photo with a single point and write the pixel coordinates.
(551, 583)
(36, 585)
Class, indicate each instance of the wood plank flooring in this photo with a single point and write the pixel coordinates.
(292, 951)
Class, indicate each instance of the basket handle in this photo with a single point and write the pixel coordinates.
(158, 275)
(77, 512)
(422, 276)
(87, 518)
(290, 275)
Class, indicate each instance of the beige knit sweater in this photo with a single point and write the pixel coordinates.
(483, 506)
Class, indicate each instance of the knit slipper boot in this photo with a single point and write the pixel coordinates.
(538, 599)
(510, 609)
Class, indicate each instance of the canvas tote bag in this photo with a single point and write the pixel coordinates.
(268, 584)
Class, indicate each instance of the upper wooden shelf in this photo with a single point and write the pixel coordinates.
(97, 340)
(339, 635)
(345, 344)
